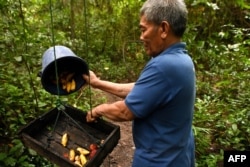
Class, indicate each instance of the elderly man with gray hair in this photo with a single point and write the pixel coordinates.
(161, 102)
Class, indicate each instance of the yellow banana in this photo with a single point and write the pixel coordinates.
(68, 87)
(83, 159)
(72, 155)
(82, 151)
(64, 139)
(73, 85)
(78, 163)
(77, 158)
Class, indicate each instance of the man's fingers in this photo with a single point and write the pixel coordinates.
(89, 117)
(86, 78)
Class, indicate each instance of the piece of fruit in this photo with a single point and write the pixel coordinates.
(64, 139)
(73, 85)
(93, 147)
(83, 159)
(67, 81)
(72, 155)
(82, 151)
(92, 153)
(77, 158)
(78, 163)
(68, 87)
(66, 155)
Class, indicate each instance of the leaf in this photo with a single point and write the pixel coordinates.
(22, 159)
(243, 4)
(22, 121)
(18, 58)
(32, 152)
(10, 161)
(27, 164)
(17, 149)
(2, 156)
(234, 127)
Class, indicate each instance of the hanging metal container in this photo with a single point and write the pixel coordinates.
(62, 71)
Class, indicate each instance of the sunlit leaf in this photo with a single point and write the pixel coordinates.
(234, 127)
(18, 58)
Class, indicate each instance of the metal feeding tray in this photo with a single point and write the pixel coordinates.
(44, 136)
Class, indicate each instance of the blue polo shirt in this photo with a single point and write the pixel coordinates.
(163, 102)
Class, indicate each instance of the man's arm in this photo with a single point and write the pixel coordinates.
(118, 89)
(117, 111)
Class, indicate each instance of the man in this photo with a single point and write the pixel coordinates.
(161, 102)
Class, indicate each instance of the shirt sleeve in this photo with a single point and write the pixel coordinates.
(148, 93)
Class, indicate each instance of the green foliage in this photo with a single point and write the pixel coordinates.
(218, 40)
(219, 46)
(15, 154)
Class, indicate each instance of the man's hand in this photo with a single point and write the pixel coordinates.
(92, 115)
(91, 79)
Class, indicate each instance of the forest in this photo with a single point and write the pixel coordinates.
(105, 34)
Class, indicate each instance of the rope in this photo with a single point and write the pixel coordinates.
(86, 48)
(80, 127)
(61, 108)
(59, 104)
(53, 44)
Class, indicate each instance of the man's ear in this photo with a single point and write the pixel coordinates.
(165, 29)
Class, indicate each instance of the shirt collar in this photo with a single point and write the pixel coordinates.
(180, 45)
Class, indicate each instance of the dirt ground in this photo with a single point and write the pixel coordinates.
(122, 154)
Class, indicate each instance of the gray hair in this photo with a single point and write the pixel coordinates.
(172, 11)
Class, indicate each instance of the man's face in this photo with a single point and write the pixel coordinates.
(151, 37)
